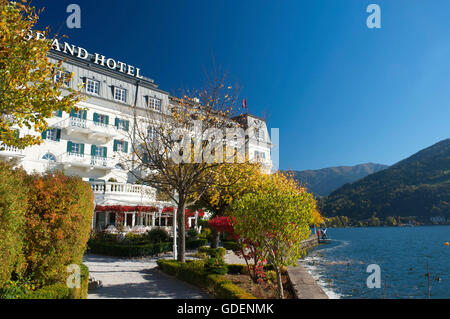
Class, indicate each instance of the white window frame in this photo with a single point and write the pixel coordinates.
(76, 147)
(121, 124)
(260, 156)
(120, 146)
(154, 103)
(93, 86)
(64, 74)
(51, 134)
(120, 94)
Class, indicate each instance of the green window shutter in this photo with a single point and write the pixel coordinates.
(116, 122)
(59, 113)
(106, 119)
(84, 114)
(115, 146)
(69, 146)
(72, 113)
(44, 134)
(95, 117)
(93, 147)
(81, 148)
(105, 152)
(127, 125)
(145, 158)
(58, 134)
(126, 147)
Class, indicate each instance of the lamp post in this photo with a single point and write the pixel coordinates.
(175, 205)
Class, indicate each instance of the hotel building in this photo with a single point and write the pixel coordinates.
(91, 142)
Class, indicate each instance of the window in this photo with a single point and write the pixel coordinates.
(154, 103)
(120, 146)
(259, 134)
(64, 76)
(122, 124)
(80, 114)
(99, 151)
(92, 86)
(120, 94)
(151, 132)
(75, 148)
(49, 157)
(57, 113)
(53, 134)
(260, 156)
(101, 119)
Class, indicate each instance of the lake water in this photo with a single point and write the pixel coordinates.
(401, 252)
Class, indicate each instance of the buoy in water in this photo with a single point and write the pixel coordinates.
(447, 243)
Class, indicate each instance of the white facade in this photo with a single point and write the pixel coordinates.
(92, 142)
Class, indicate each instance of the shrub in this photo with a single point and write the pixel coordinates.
(13, 204)
(213, 252)
(55, 291)
(195, 243)
(237, 269)
(124, 250)
(135, 239)
(193, 272)
(57, 225)
(158, 235)
(231, 245)
(206, 233)
(216, 266)
(82, 292)
(192, 233)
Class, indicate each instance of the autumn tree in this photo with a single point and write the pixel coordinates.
(277, 215)
(28, 92)
(176, 151)
(232, 180)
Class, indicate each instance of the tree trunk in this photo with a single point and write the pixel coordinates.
(279, 282)
(181, 225)
(215, 237)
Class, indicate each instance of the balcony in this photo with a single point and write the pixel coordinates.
(10, 152)
(88, 162)
(119, 193)
(93, 130)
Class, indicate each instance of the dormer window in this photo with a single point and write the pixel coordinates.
(63, 76)
(92, 86)
(259, 134)
(120, 94)
(154, 103)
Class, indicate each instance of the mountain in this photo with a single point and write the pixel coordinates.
(417, 186)
(321, 182)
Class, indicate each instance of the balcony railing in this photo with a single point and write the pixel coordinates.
(88, 127)
(87, 161)
(10, 151)
(122, 191)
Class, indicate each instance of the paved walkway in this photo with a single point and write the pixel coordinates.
(136, 279)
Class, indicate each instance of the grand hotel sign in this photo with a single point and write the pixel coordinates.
(82, 53)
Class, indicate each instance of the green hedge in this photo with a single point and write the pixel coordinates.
(121, 250)
(230, 245)
(13, 205)
(213, 252)
(61, 291)
(56, 291)
(196, 243)
(57, 227)
(194, 273)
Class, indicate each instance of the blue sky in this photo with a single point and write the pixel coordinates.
(340, 93)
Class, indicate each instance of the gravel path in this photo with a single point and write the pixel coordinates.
(136, 279)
